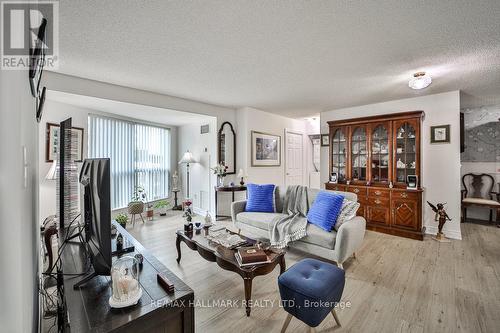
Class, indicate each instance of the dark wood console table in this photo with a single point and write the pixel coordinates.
(87, 309)
(231, 189)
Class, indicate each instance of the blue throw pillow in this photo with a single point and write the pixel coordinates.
(325, 210)
(260, 198)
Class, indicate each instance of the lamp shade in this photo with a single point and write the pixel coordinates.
(52, 174)
(187, 158)
(241, 174)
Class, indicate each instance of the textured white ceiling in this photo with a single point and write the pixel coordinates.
(290, 57)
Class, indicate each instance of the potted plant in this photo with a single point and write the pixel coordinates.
(122, 220)
(136, 206)
(149, 211)
(162, 205)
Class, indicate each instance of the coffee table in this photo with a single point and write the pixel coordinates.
(226, 260)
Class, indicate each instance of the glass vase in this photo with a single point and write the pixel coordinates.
(220, 181)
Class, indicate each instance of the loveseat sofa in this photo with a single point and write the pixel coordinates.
(335, 245)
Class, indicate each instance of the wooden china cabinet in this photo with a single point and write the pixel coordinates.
(372, 157)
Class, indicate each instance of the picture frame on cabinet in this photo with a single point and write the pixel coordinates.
(334, 178)
(411, 182)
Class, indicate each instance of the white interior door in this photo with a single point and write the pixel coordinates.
(294, 166)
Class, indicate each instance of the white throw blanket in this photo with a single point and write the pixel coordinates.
(292, 227)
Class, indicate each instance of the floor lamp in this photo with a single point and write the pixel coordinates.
(187, 159)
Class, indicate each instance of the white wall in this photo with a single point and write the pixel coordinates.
(204, 149)
(250, 119)
(81, 86)
(19, 238)
(440, 162)
(55, 112)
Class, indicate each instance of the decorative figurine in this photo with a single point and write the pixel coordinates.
(139, 257)
(119, 242)
(400, 164)
(175, 181)
(188, 226)
(442, 217)
(208, 220)
(126, 289)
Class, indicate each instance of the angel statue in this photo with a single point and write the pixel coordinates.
(442, 217)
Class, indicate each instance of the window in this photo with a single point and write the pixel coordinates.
(139, 154)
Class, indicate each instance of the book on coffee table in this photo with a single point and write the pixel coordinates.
(248, 256)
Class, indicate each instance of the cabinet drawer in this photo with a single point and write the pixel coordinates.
(405, 195)
(379, 192)
(335, 187)
(379, 202)
(358, 190)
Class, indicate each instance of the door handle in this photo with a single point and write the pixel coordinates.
(377, 201)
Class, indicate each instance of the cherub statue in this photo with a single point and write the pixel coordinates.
(441, 216)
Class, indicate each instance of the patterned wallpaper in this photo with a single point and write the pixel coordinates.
(482, 134)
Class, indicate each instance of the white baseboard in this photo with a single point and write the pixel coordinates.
(453, 234)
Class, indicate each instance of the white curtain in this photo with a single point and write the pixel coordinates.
(139, 154)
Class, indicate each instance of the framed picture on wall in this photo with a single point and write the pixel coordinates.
(52, 142)
(266, 149)
(440, 134)
(325, 140)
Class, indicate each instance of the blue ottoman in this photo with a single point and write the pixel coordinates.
(309, 290)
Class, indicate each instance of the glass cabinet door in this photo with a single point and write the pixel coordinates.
(359, 154)
(406, 151)
(339, 154)
(380, 154)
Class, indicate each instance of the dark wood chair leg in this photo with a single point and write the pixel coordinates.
(464, 214)
(491, 215)
(498, 217)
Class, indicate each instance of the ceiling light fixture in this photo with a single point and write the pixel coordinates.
(420, 80)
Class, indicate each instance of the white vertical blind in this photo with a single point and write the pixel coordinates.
(139, 154)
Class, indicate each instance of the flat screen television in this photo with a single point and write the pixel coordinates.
(96, 192)
(37, 61)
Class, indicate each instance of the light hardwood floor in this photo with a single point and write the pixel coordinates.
(394, 284)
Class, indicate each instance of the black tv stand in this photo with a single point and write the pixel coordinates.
(84, 306)
(84, 280)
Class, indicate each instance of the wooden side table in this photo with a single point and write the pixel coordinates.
(231, 189)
